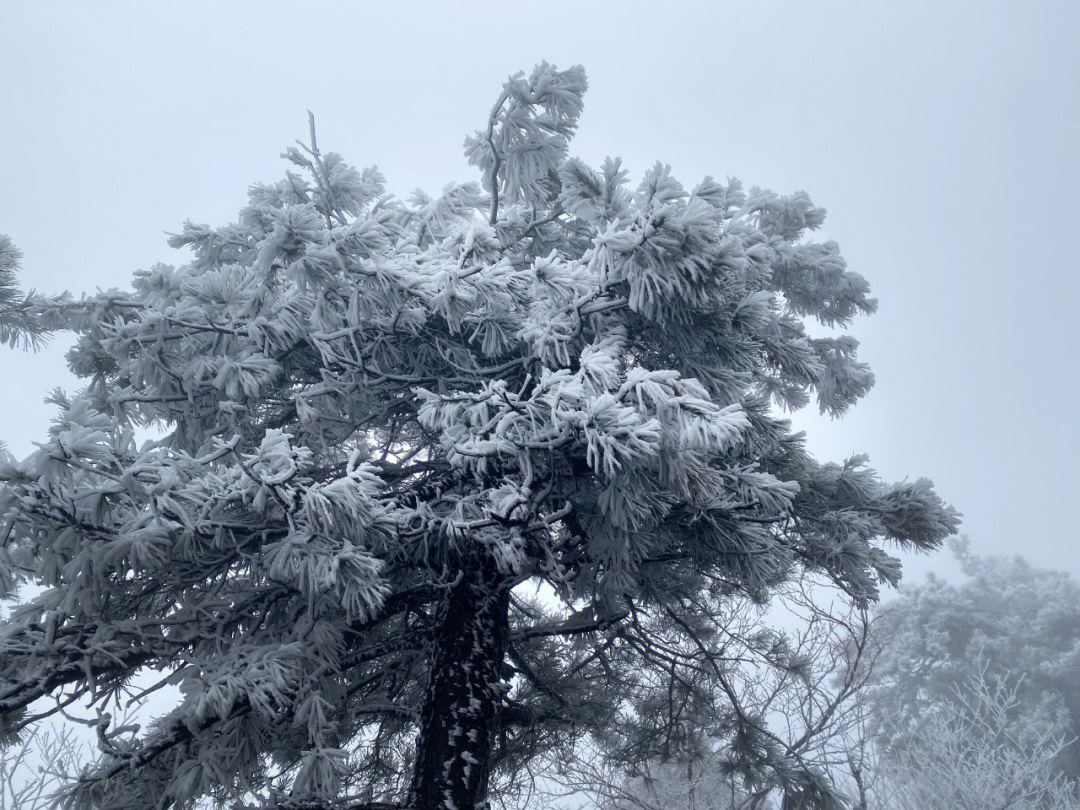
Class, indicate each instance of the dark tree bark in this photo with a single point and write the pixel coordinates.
(460, 717)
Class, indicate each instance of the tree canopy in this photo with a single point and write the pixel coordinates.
(1009, 622)
(439, 486)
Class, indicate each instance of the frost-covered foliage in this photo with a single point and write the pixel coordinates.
(1008, 620)
(381, 420)
(977, 750)
(17, 324)
(37, 766)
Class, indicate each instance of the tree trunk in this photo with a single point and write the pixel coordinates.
(460, 716)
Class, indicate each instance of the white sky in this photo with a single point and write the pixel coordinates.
(944, 139)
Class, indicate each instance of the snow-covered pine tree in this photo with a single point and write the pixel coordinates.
(385, 423)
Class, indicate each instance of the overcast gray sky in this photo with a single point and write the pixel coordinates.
(943, 138)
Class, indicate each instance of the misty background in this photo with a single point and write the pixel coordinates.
(944, 140)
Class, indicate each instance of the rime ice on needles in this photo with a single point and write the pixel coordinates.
(380, 417)
(17, 324)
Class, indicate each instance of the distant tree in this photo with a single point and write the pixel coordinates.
(1007, 620)
(979, 750)
(387, 425)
